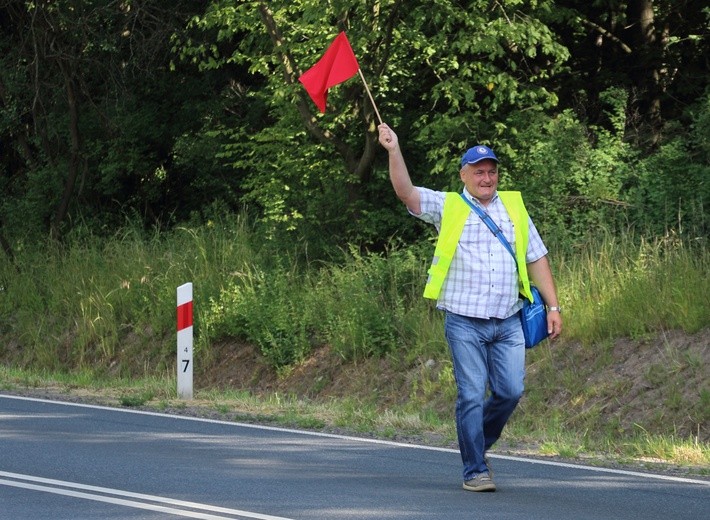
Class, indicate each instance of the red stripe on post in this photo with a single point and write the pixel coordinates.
(184, 316)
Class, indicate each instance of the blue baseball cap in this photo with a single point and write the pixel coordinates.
(477, 154)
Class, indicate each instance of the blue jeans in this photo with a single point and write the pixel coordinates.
(486, 354)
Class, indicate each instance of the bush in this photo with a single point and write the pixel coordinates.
(270, 310)
(671, 190)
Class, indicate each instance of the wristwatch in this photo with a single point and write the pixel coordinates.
(558, 309)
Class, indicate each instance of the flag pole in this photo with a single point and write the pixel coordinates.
(370, 95)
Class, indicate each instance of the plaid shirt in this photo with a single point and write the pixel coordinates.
(482, 281)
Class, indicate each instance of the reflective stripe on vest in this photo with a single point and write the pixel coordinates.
(453, 218)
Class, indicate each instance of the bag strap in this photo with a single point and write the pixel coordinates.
(488, 221)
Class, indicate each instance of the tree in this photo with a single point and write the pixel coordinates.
(655, 49)
(80, 109)
(437, 71)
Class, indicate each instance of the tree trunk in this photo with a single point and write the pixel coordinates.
(6, 245)
(74, 156)
(644, 109)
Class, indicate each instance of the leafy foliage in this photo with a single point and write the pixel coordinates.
(671, 189)
(173, 112)
(427, 71)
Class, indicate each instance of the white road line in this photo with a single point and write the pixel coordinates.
(603, 470)
(369, 441)
(57, 487)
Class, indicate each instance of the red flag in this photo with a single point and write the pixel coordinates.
(338, 64)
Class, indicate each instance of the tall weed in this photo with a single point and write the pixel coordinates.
(620, 287)
(111, 302)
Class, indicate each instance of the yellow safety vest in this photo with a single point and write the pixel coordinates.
(453, 219)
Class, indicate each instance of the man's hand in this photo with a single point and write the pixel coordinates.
(388, 139)
(554, 324)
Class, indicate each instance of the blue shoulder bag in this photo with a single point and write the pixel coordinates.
(533, 315)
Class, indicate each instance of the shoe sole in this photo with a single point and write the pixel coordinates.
(483, 487)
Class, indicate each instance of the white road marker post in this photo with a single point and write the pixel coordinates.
(184, 341)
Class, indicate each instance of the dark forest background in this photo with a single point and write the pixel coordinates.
(155, 113)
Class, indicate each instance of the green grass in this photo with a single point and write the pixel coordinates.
(620, 287)
(99, 315)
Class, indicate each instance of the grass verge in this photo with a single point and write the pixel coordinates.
(643, 451)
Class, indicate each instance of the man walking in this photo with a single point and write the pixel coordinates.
(478, 286)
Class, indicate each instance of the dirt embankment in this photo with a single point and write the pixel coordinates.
(660, 384)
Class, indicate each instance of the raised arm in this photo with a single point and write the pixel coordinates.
(399, 176)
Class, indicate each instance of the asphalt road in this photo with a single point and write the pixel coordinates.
(67, 461)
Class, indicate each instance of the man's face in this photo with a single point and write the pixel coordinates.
(481, 179)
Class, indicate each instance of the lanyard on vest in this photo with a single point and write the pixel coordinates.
(498, 233)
